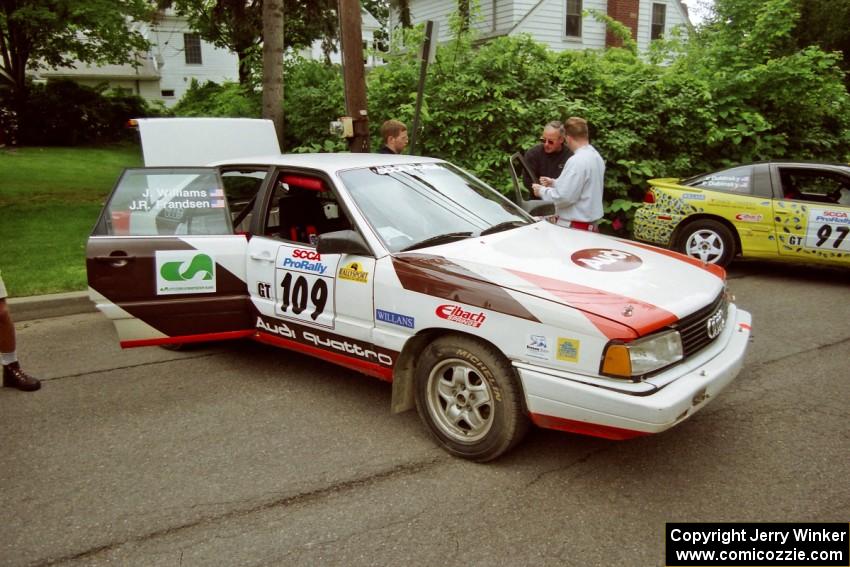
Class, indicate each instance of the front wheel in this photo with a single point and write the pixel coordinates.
(468, 395)
(709, 241)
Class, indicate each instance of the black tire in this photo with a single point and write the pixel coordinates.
(709, 241)
(469, 397)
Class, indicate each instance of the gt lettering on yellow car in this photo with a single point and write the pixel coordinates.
(769, 210)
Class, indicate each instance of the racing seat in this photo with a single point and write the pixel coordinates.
(300, 210)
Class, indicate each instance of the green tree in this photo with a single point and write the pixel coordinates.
(237, 25)
(53, 33)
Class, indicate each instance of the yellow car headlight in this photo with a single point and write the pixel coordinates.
(637, 358)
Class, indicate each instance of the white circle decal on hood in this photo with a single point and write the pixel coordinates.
(606, 260)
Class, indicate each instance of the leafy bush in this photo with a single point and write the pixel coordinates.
(223, 100)
(64, 113)
(729, 94)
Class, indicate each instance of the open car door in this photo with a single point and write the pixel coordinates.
(164, 263)
(522, 195)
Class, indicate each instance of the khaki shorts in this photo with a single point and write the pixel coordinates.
(2, 288)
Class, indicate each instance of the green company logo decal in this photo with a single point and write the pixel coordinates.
(200, 264)
(184, 271)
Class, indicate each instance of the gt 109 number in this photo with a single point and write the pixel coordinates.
(296, 291)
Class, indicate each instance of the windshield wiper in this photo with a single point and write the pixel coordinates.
(503, 226)
(438, 239)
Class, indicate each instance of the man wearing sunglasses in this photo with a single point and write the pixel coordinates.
(577, 192)
(547, 158)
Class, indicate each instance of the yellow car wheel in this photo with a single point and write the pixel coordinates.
(709, 241)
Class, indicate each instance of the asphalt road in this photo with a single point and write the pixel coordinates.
(242, 454)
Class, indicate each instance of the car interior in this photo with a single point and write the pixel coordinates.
(303, 207)
(813, 186)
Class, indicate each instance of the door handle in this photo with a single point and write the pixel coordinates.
(262, 258)
(116, 261)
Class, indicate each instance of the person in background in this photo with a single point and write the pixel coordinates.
(577, 192)
(394, 135)
(547, 158)
(13, 376)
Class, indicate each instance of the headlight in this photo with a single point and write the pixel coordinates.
(634, 359)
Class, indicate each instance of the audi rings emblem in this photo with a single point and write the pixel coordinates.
(716, 323)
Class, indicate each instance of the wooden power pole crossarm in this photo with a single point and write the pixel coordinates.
(354, 73)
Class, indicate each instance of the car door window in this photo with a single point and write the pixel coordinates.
(241, 187)
(302, 207)
(735, 180)
(166, 202)
(813, 185)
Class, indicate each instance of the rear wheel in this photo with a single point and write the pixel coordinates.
(469, 397)
(709, 241)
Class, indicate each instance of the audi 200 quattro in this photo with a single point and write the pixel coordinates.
(410, 270)
(792, 211)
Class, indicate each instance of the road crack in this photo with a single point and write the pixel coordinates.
(282, 502)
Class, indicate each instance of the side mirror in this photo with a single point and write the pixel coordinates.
(532, 206)
(342, 242)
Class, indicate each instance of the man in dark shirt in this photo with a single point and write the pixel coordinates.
(394, 135)
(547, 158)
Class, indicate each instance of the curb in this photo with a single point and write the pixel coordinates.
(46, 306)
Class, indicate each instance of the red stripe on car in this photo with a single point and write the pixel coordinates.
(584, 428)
(368, 368)
(605, 309)
(711, 268)
(202, 338)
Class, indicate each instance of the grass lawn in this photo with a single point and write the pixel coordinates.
(49, 202)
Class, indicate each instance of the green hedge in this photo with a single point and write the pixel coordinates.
(681, 109)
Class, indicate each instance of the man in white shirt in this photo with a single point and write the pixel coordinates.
(577, 193)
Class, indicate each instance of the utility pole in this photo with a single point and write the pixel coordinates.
(273, 65)
(354, 73)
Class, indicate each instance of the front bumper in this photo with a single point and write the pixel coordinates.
(567, 402)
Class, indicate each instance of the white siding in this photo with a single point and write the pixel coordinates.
(675, 17)
(547, 24)
(217, 65)
(544, 20)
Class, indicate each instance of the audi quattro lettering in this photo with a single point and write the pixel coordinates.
(412, 271)
(792, 211)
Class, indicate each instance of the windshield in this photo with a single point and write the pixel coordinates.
(417, 204)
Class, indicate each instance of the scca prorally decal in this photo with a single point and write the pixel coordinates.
(304, 265)
(184, 271)
(317, 339)
(606, 260)
(354, 272)
(395, 318)
(456, 314)
(693, 196)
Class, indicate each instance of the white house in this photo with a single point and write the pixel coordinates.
(176, 56)
(369, 25)
(560, 24)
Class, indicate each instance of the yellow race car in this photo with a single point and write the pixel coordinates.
(777, 210)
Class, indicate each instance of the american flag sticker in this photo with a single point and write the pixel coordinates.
(218, 204)
(217, 193)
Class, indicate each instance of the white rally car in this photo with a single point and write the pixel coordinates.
(410, 270)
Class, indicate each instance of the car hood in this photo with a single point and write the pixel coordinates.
(638, 286)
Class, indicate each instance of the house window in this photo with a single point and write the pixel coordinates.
(167, 93)
(573, 18)
(659, 19)
(192, 48)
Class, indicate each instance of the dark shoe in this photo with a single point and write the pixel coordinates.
(14, 377)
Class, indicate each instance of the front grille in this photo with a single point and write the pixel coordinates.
(694, 329)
